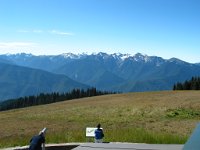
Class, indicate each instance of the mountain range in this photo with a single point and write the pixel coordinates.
(25, 74)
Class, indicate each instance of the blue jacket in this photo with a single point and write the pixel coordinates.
(36, 142)
(99, 134)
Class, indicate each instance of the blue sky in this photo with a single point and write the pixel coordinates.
(165, 28)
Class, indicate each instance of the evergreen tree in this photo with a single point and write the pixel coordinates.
(192, 84)
(47, 98)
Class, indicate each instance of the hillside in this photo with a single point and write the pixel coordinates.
(113, 72)
(151, 117)
(17, 81)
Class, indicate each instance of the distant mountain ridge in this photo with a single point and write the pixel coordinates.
(17, 81)
(113, 72)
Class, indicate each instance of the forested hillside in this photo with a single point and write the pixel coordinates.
(192, 84)
(49, 98)
(18, 81)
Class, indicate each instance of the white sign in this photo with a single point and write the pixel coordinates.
(90, 131)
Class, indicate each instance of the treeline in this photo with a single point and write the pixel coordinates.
(49, 98)
(193, 84)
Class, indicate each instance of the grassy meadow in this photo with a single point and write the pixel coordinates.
(146, 117)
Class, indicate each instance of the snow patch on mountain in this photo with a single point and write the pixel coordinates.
(120, 56)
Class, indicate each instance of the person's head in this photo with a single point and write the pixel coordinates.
(99, 126)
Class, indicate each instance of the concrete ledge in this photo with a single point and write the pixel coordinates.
(64, 146)
(103, 146)
(128, 146)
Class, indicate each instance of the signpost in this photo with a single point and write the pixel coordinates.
(90, 133)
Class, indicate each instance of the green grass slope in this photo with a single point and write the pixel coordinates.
(150, 117)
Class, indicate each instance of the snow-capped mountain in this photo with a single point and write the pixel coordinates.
(113, 72)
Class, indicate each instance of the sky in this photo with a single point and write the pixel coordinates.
(164, 28)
